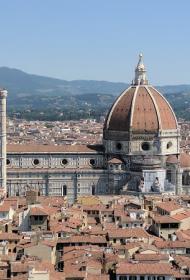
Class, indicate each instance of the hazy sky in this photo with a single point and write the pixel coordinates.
(97, 40)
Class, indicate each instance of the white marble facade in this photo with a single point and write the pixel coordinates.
(61, 174)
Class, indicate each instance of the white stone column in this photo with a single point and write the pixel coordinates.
(3, 141)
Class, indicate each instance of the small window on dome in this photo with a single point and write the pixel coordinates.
(119, 146)
(169, 144)
(145, 146)
(8, 162)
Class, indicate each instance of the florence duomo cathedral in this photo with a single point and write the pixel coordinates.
(140, 152)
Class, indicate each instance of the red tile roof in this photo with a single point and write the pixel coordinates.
(42, 211)
(165, 219)
(181, 216)
(128, 233)
(9, 236)
(90, 239)
(169, 206)
(17, 148)
(37, 211)
(172, 244)
(151, 257)
(144, 269)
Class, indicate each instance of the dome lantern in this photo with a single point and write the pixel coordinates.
(140, 73)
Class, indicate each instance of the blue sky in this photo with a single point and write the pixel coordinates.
(97, 40)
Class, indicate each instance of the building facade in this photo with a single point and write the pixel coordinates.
(140, 153)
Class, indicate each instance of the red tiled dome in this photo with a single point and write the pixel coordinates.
(140, 109)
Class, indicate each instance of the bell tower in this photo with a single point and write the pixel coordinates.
(3, 140)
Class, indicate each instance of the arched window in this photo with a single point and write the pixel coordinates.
(64, 190)
(119, 146)
(169, 145)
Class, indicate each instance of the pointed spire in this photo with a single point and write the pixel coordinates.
(140, 72)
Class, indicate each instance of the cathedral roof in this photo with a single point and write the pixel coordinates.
(18, 148)
(140, 108)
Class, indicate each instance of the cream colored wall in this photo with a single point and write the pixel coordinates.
(136, 147)
(173, 149)
(132, 251)
(118, 240)
(163, 232)
(111, 147)
(41, 251)
(148, 251)
(185, 224)
(11, 213)
(38, 275)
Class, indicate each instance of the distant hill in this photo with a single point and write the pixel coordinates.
(21, 84)
(34, 96)
(173, 89)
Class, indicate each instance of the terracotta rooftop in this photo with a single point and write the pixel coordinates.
(182, 215)
(144, 269)
(17, 148)
(172, 244)
(37, 211)
(128, 233)
(19, 267)
(55, 201)
(183, 235)
(182, 261)
(60, 227)
(127, 246)
(84, 239)
(169, 206)
(42, 211)
(9, 236)
(151, 257)
(165, 219)
(5, 207)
